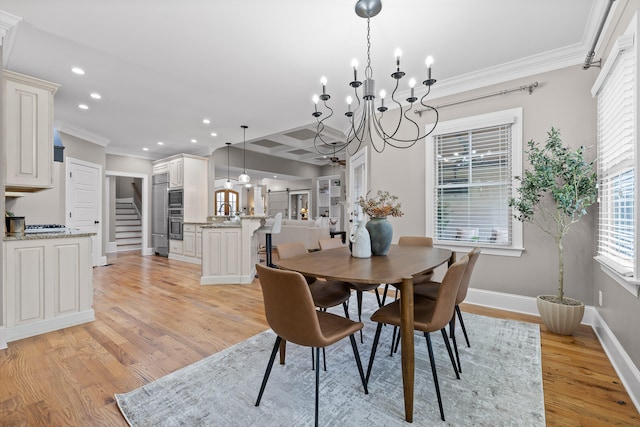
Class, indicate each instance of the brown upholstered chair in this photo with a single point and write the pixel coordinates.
(358, 287)
(325, 293)
(421, 278)
(430, 290)
(429, 316)
(291, 313)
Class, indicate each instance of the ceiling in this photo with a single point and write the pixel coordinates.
(163, 66)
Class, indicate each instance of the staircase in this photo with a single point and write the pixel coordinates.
(128, 226)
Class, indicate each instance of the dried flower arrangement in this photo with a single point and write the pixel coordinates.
(380, 206)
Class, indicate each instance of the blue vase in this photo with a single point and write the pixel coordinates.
(380, 232)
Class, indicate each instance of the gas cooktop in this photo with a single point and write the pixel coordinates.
(45, 228)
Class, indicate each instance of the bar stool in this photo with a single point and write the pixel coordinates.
(268, 230)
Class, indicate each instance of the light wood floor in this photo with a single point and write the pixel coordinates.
(153, 317)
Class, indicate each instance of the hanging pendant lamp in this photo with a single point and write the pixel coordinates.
(244, 178)
(228, 185)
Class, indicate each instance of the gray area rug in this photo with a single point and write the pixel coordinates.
(500, 385)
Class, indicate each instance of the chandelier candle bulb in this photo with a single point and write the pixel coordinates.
(398, 54)
(354, 64)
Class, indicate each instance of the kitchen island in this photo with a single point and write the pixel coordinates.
(47, 283)
(229, 251)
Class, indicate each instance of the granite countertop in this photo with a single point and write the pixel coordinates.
(40, 236)
(222, 225)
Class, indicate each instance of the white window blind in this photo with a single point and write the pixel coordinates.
(617, 158)
(473, 183)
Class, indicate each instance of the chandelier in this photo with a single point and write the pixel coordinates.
(365, 120)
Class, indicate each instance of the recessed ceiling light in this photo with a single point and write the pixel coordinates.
(206, 121)
(77, 70)
(275, 176)
(83, 106)
(96, 95)
(160, 143)
(145, 149)
(194, 140)
(214, 134)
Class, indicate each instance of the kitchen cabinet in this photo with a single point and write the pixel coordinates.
(176, 173)
(191, 173)
(192, 241)
(176, 247)
(28, 132)
(160, 168)
(221, 247)
(48, 285)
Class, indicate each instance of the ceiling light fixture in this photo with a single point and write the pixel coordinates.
(95, 95)
(83, 106)
(160, 143)
(194, 140)
(364, 122)
(206, 121)
(228, 185)
(244, 178)
(77, 70)
(214, 134)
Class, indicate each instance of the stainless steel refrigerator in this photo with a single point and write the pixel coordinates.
(160, 214)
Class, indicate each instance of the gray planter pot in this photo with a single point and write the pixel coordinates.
(560, 318)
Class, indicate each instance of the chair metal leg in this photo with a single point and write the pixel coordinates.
(393, 341)
(346, 309)
(269, 249)
(268, 371)
(359, 297)
(324, 359)
(453, 362)
(435, 374)
(373, 350)
(464, 330)
(452, 335)
(317, 383)
(358, 362)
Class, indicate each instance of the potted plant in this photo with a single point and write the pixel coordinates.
(554, 194)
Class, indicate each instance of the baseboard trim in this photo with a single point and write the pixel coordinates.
(627, 371)
(3, 339)
(148, 251)
(183, 258)
(622, 363)
(226, 280)
(43, 326)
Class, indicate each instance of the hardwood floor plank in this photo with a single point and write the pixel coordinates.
(153, 317)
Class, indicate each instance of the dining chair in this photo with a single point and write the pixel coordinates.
(429, 316)
(421, 278)
(430, 290)
(269, 230)
(291, 314)
(325, 293)
(358, 287)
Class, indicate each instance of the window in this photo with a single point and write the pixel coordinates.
(226, 202)
(474, 161)
(616, 89)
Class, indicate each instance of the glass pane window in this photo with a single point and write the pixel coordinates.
(473, 186)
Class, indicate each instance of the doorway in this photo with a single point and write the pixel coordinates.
(111, 178)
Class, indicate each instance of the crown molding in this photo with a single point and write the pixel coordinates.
(7, 22)
(73, 130)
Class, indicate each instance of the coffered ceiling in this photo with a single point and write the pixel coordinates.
(163, 66)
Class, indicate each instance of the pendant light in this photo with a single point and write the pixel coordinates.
(228, 185)
(244, 178)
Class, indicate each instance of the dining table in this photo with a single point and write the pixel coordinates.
(397, 268)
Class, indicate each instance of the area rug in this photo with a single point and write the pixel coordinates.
(500, 384)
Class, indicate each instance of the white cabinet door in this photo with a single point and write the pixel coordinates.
(223, 249)
(25, 283)
(176, 173)
(28, 131)
(189, 244)
(199, 242)
(175, 247)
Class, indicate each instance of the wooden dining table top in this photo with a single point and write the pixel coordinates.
(338, 264)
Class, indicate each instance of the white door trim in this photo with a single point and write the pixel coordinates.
(100, 259)
(145, 206)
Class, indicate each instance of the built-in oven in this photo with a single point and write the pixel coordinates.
(175, 199)
(176, 220)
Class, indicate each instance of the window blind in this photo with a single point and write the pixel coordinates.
(473, 186)
(616, 164)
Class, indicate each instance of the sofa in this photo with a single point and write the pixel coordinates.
(305, 231)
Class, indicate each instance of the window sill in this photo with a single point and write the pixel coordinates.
(485, 250)
(630, 283)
